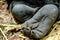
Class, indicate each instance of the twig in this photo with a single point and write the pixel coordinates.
(5, 25)
(3, 34)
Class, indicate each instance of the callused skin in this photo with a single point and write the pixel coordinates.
(36, 24)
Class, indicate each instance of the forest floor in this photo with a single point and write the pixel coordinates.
(7, 18)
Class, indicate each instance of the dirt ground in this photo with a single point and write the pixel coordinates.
(6, 18)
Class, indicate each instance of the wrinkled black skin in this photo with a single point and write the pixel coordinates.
(30, 21)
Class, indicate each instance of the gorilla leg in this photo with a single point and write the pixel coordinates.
(41, 22)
